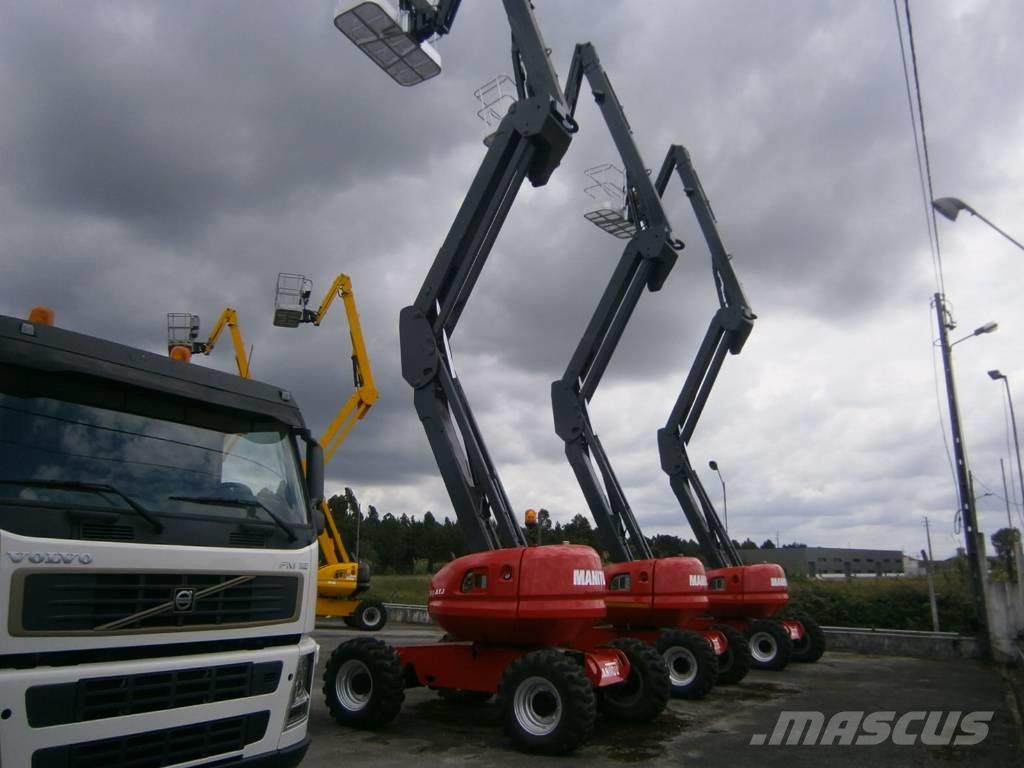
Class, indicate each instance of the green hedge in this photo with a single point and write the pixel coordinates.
(885, 603)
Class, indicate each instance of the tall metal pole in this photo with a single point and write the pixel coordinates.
(1006, 494)
(1016, 443)
(929, 568)
(968, 513)
(725, 502)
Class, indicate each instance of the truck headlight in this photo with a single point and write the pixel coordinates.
(298, 703)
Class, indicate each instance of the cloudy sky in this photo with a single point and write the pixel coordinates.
(160, 157)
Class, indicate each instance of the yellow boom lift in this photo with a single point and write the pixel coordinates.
(341, 578)
(183, 335)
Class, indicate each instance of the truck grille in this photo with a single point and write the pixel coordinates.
(101, 697)
(116, 603)
(158, 748)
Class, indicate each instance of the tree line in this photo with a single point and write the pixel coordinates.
(405, 544)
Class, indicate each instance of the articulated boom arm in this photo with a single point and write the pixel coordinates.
(228, 318)
(726, 334)
(529, 143)
(365, 393)
(646, 261)
(332, 546)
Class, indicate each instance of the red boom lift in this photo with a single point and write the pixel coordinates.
(518, 616)
(656, 601)
(747, 597)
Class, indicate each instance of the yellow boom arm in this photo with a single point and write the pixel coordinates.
(354, 408)
(229, 318)
(365, 394)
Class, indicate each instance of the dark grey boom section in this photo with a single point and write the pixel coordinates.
(728, 331)
(645, 263)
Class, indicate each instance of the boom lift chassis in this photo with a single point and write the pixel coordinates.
(517, 616)
(742, 596)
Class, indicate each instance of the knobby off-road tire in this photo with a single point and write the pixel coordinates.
(546, 703)
(363, 684)
(370, 615)
(734, 664)
(811, 647)
(770, 646)
(691, 661)
(645, 693)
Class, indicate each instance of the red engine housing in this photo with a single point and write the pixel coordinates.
(669, 592)
(747, 591)
(523, 596)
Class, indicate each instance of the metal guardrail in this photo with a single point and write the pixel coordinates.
(910, 633)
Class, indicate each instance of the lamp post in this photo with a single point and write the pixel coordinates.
(951, 206)
(725, 506)
(968, 512)
(996, 376)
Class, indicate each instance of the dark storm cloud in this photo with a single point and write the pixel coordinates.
(174, 157)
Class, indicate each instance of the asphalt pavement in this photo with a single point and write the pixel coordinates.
(716, 731)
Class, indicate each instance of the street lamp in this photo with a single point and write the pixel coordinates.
(996, 376)
(981, 329)
(951, 206)
(967, 509)
(725, 507)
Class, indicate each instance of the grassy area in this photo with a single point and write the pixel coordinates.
(399, 589)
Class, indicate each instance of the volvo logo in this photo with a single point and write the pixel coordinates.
(184, 600)
(61, 558)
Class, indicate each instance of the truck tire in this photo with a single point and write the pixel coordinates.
(770, 646)
(691, 661)
(812, 645)
(370, 615)
(363, 684)
(645, 693)
(546, 703)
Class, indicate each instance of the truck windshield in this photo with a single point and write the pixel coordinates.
(61, 452)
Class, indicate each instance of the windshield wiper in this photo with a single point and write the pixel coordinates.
(242, 503)
(76, 485)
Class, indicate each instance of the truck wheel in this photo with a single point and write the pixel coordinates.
(812, 645)
(363, 683)
(370, 615)
(350, 621)
(770, 646)
(546, 703)
(734, 664)
(463, 698)
(691, 661)
(645, 693)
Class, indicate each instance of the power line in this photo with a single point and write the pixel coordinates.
(924, 144)
(920, 139)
